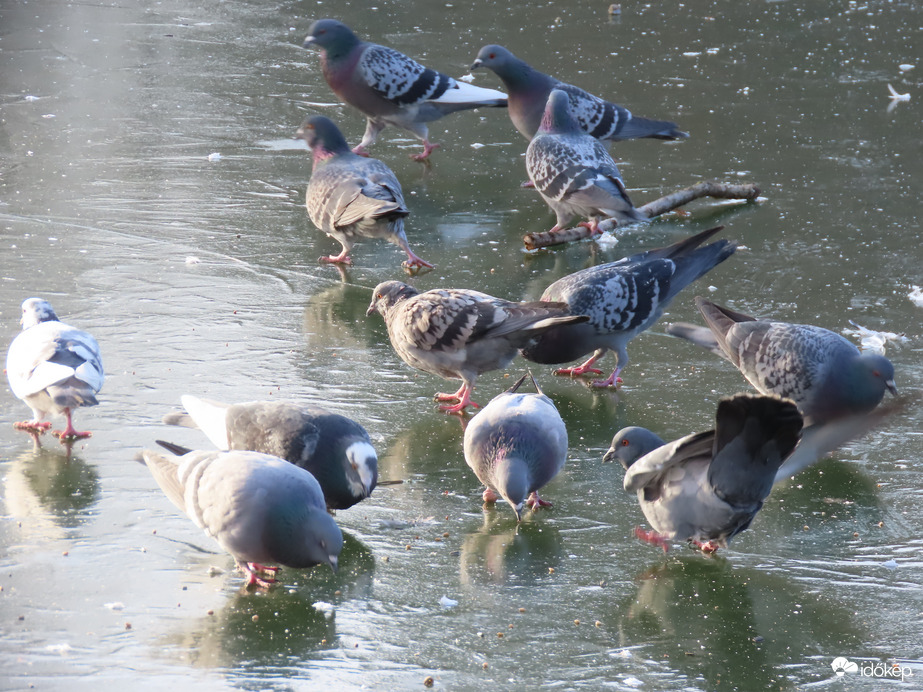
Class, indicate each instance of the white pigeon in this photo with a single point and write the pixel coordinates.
(259, 508)
(54, 368)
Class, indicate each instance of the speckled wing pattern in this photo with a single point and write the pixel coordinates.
(601, 119)
(617, 297)
(400, 79)
(562, 165)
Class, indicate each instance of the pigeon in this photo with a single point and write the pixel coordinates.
(351, 196)
(528, 91)
(622, 299)
(390, 88)
(515, 446)
(459, 334)
(258, 507)
(335, 449)
(54, 368)
(706, 488)
(821, 371)
(574, 173)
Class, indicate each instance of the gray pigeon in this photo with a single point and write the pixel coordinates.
(528, 91)
(54, 368)
(388, 87)
(351, 196)
(459, 334)
(515, 446)
(573, 172)
(335, 449)
(822, 372)
(707, 487)
(259, 508)
(622, 299)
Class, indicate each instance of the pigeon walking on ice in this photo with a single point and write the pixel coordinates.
(706, 488)
(388, 87)
(335, 449)
(350, 196)
(54, 368)
(460, 334)
(574, 173)
(622, 299)
(515, 446)
(528, 91)
(821, 371)
(259, 508)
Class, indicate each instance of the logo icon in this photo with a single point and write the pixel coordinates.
(842, 665)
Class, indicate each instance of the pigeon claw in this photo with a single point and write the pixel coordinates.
(342, 258)
(534, 502)
(427, 150)
(489, 496)
(653, 538)
(262, 576)
(577, 371)
(33, 427)
(708, 547)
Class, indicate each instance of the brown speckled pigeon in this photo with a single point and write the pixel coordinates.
(622, 299)
(350, 196)
(390, 88)
(460, 334)
(821, 371)
(574, 173)
(528, 91)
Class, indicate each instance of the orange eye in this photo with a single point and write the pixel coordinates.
(492, 56)
(625, 443)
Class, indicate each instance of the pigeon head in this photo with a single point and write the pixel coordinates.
(630, 444)
(363, 461)
(323, 137)
(388, 294)
(35, 310)
(558, 118)
(302, 535)
(504, 64)
(874, 373)
(511, 479)
(334, 38)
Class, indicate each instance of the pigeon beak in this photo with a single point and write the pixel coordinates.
(475, 65)
(371, 310)
(518, 510)
(891, 387)
(333, 563)
(308, 42)
(609, 456)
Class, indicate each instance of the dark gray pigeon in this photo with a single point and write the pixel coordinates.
(706, 488)
(335, 449)
(622, 299)
(515, 446)
(259, 508)
(54, 368)
(528, 91)
(350, 196)
(388, 87)
(574, 173)
(460, 334)
(822, 372)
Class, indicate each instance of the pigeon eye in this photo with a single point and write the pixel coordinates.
(492, 56)
(625, 443)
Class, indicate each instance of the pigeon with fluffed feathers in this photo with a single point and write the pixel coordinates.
(459, 333)
(528, 90)
(822, 372)
(622, 299)
(390, 88)
(516, 445)
(335, 449)
(351, 196)
(706, 488)
(261, 509)
(54, 368)
(574, 173)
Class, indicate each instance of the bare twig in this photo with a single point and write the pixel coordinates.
(708, 188)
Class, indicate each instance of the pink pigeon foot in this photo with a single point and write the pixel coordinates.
(427, 150)
(462, 398)
(706, 547)
(32, 427)
(489, 496)
(69, 434)
(653, 538)
(612, 381)
(261, 575)
(592, 226)
(342, 258)
(360, 151)
(581, 369)
(534, 502)
(415, 262)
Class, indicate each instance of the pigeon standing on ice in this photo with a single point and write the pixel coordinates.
(822, 372)
(351, 196)
(515, 446)
(388, 87)
(707, 487)
(459, 334)
(259, 508)
(54, 368)
(528, 91)
(622, 299)
(335, 449)
(574, 173)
